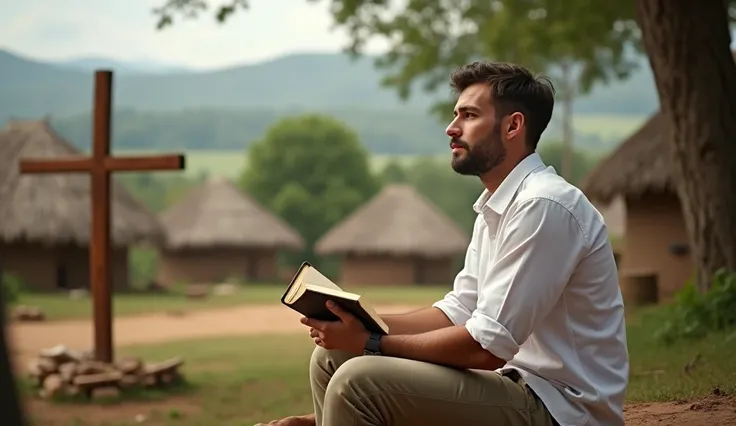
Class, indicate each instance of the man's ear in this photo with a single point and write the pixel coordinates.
(514, 124)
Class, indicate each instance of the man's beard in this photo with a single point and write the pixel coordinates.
(486, 154)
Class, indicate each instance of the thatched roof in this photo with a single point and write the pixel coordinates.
(397, 221)
(218, 214)
(639, 165)
(56, 208)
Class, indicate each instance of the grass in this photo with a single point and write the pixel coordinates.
(608, 126)
(230, 163)
(57, 306)
(244, 380)
(658, 371)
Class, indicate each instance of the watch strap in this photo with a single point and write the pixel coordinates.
(373, 345)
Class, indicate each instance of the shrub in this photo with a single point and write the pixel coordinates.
(11, 287)
(694, 314)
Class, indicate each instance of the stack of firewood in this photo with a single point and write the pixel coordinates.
(59, 371)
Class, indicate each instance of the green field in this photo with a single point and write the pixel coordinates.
(244, 380)
(615, 127)
(231, 163)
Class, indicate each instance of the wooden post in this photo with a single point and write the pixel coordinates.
(99, 166)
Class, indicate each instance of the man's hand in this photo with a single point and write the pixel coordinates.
(348, 334)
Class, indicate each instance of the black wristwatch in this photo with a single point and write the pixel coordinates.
(373, 345)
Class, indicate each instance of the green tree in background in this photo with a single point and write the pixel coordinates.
(312, 171)
(553, 153)
(393, 172)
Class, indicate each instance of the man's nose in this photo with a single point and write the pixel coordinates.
(453, 130)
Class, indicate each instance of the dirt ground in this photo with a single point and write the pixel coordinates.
(28, 338)
(715, 409)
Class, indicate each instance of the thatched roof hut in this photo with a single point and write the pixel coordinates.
(218, 214)
(640, 171)
(217, 233)
(398, 237)
(397, 221)
(56, 208)
(639, 165)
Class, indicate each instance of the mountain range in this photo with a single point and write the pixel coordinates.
(30, 87)
(327, 82)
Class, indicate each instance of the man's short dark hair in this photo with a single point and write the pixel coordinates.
(513, 88)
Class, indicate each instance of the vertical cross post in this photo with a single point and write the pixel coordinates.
(100, 166)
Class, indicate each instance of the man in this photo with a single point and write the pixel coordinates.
(532, 332)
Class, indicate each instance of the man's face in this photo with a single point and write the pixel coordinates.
(475, 134)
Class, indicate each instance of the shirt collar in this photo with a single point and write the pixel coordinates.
(499, 200)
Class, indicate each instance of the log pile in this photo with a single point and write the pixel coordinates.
(59, 371)
(28, 313)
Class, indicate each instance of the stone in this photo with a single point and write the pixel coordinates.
(226, 289)
(67, 371)
(47, 365)
(60, 354)
(59, 370)
(197, 291)
(28, 313)
(130, 365)
(78, 293)
(130, 380)
(98, 380)
(52, 385)
(93, 367)
(165, 366)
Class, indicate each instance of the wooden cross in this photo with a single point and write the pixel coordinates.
(100, 166)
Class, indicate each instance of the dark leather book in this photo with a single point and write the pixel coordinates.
(309, 291)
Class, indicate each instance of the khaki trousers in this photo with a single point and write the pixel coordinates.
(386, 391)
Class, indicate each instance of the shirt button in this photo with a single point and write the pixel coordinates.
(493, 237)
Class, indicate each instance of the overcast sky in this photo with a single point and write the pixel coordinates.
(125, 29)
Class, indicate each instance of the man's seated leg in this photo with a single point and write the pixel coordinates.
(322, 367)
(373, 391)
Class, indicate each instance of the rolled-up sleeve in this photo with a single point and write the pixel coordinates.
(459, 304)
(537, 250)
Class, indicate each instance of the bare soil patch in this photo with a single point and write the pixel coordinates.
(714, 409)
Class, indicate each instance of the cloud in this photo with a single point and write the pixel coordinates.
(125, 29)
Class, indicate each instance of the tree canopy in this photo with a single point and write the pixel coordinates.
(312, 171)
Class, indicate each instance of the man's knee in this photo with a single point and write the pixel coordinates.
(326, 361)
(358, 376)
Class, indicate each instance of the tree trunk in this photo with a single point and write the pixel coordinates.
(688, 47)
(568, 96)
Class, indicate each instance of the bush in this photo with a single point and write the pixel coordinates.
(694, 314)
(11, 286)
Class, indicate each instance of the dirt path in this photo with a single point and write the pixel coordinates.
(29, 338)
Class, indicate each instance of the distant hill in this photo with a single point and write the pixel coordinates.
(89, 64)
(31, 88)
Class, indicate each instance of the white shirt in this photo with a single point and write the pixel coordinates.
(539, 289)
